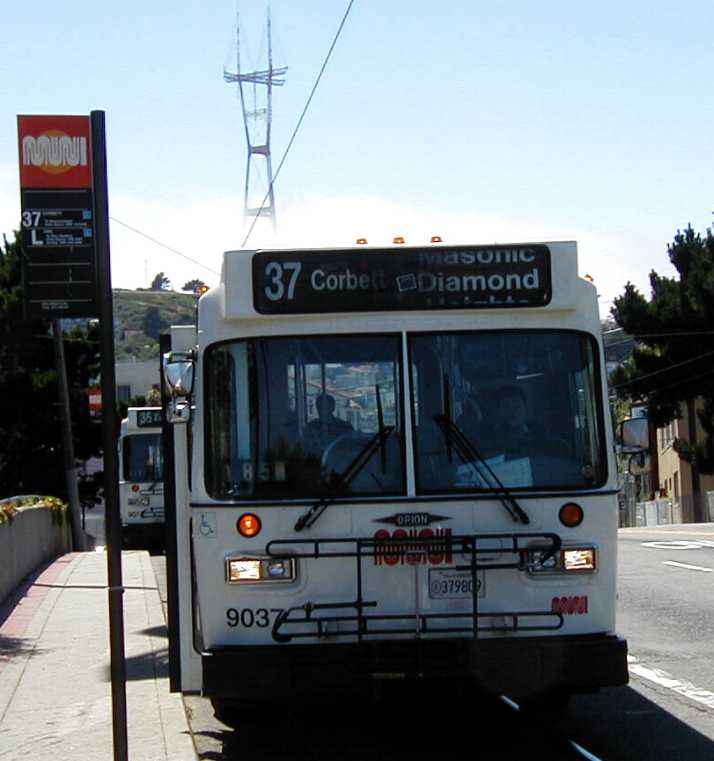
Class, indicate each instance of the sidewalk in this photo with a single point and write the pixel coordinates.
(55, 688)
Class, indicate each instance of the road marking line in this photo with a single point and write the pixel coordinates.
(675, 544)
(663, 531)
(586, 754)
(663, 679)
(686, 565)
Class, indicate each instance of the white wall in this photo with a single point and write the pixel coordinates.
(31, 539)
(139, 376)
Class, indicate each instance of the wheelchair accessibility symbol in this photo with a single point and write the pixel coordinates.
(207, 525)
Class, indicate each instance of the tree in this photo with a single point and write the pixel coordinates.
(153, 323)
(152, 398)
(160, 283)
(30, 444)
(193, 285)
(673, 364)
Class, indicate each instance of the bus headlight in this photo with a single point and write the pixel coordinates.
(579, 560)
(256, 570)
(242, 569)
(566, 560)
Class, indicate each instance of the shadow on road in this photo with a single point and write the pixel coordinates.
(623, 725)
(415, 724)
(406, 723)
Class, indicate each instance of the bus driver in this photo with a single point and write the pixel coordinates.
(327, 424)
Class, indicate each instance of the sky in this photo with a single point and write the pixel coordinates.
(509, 121)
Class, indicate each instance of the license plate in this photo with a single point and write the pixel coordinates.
(452, 584)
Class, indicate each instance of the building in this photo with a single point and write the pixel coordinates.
(136, 378)
(678, 480)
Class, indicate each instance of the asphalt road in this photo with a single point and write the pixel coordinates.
(665, 612)
(666, 591)
(667, 712)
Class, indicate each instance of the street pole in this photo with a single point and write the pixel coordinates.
(70, 467)
(109, 439)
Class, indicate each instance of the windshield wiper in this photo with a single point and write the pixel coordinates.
(455, 438)
(344, 479)
(380, 421)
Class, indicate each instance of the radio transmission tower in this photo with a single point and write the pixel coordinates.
(255, 89)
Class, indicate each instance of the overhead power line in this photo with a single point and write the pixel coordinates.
(300, 120)
(666, 370)
(679, 382)
(619, 343)
(675, 334)
(164, 245)
(662, 335)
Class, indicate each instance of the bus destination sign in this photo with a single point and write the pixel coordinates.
(359, 280)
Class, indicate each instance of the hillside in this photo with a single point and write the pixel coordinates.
(140, 316)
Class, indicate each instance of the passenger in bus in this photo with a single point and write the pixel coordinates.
(512, 434)
(512, 409)
(327, 423)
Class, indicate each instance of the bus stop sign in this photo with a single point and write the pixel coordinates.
(58, 240)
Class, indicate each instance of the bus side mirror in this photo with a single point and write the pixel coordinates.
(635, 434)
(178, 370)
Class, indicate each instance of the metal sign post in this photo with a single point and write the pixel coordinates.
(109, 437)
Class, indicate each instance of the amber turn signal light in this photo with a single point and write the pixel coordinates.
(249, 525)
(571, 514)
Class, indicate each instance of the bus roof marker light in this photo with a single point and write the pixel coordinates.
(398, 240)
(249, 525)
(571, 514)
(436, 239)
(361, 241)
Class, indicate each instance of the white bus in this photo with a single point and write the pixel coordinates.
(141, 477)
(397, 463)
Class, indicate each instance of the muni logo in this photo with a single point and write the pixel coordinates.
(54, 152)
(399, 547)
(568, 606)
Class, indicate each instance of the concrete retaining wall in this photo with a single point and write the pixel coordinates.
(31, 539)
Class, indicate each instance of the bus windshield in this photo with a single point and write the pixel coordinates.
(142, 458)
(288, 417)
(513, 408)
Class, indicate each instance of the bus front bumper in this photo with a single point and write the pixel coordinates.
(518, 667)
